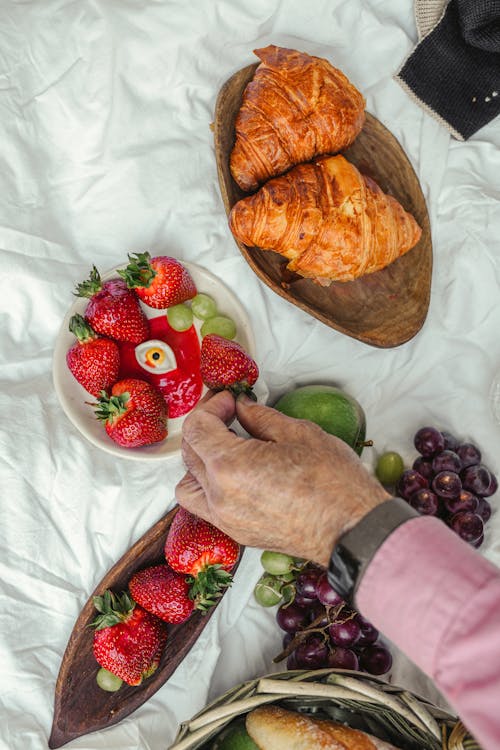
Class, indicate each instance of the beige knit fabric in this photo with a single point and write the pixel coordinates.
(427, 15)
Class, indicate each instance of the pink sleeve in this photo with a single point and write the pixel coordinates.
(438, 600)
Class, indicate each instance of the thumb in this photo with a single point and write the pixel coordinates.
(263, 422)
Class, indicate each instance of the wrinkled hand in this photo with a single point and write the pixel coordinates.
(290, 487)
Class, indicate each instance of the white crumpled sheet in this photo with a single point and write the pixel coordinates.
(106, 148)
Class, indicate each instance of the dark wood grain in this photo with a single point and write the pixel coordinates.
(382, 309)
(80, 706)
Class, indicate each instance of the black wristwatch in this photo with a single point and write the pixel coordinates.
(356, 548)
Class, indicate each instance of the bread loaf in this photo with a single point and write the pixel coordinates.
(274, 728)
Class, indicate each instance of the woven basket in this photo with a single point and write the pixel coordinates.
(358, 700)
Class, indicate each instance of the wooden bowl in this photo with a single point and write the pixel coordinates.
(383, 309)
(81, 706)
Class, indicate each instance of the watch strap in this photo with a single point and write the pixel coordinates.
(356, 548)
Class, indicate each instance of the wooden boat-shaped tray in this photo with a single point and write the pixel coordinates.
(80, 706)
(384, 309)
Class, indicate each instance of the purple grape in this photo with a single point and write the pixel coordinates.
(447, 484)
(424, 467)
(316, 610)
(325, 593)
(450, 441)
(369, 632)
(476, 479)
(425, 502)
(428, 441)
(469, 454)
(409, 482)
(464, 501)
(288, 638)
(493, 486)
(375, 659)
(484, 509)
(342, 658)
(291, 617)
(446, 461)
(306, 580)
(311, 653)
(291, 662)
(469, 526)
(478, 542)
(303, 601)
(345, 632)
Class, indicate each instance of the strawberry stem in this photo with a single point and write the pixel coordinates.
(237, 388)
(139, 272)
(83, 331)
(110, 407)
(91, 286)
(207, 587)
(112, 609)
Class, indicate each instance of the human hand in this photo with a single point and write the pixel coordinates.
(290, 487)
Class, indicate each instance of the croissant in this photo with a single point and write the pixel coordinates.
(274, 728)
(295, 108)
(329, 220)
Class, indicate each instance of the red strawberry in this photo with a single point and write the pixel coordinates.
(204, 553)
(128, 641)
(134, 414)
(113, 309)
(159, 282)
(225, 364)
(93, 360)
(162, 591)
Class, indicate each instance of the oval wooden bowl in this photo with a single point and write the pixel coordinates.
(80, 706)
(383, 309)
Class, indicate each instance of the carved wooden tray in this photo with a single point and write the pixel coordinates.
(80, 706)
(383, 309)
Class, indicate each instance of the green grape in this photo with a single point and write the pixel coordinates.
(108, 681)
(203, 306)
(276, 563)
(221, 325)
(267, 591)
(180, 317)
(389, 467)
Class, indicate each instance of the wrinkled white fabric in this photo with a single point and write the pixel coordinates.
(106, 148)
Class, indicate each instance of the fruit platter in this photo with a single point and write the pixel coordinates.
(163, 349)
(113, 664)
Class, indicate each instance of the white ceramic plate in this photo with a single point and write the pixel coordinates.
(73, 396)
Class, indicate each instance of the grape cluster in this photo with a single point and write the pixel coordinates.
(448, 480)
(321, 629)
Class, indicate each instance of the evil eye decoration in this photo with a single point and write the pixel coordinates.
(155, 356)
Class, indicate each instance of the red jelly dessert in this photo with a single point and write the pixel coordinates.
(174, 369)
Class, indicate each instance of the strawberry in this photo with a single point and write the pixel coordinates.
(134, 414)
(163, 592)
(113, 309)
(204, 553)
(128, 641)
(93, 360)
(225, 364)
(159, 282)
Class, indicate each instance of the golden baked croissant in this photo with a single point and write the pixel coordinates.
(329, 220)
(274, 728)
(295, 108)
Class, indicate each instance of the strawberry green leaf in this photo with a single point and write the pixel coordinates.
(139, 272)
(207, 587)
(91, 286)
(112, 609)
(83, 331)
